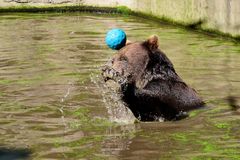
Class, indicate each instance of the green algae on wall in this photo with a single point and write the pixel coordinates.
(57, 8)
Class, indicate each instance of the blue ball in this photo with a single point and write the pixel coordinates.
(116, 39)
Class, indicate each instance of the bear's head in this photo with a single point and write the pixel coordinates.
(130, 61)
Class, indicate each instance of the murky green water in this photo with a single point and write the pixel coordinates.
(52, 102)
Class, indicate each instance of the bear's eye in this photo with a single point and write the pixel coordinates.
(123, 58)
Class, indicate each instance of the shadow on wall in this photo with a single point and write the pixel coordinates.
(14, 154)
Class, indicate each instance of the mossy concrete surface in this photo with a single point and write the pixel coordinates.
(219, 16)
(211, 15)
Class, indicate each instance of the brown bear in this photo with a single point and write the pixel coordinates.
(149, 85)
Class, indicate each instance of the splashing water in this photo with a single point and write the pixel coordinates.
(61, 109)
(116, 109)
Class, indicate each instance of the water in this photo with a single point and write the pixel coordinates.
(54, 106)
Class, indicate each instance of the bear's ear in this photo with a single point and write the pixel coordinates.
(152, 42)
(128, 42)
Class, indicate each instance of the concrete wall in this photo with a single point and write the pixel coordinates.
(220, 15)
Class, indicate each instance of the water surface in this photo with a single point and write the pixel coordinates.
(54, 106)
